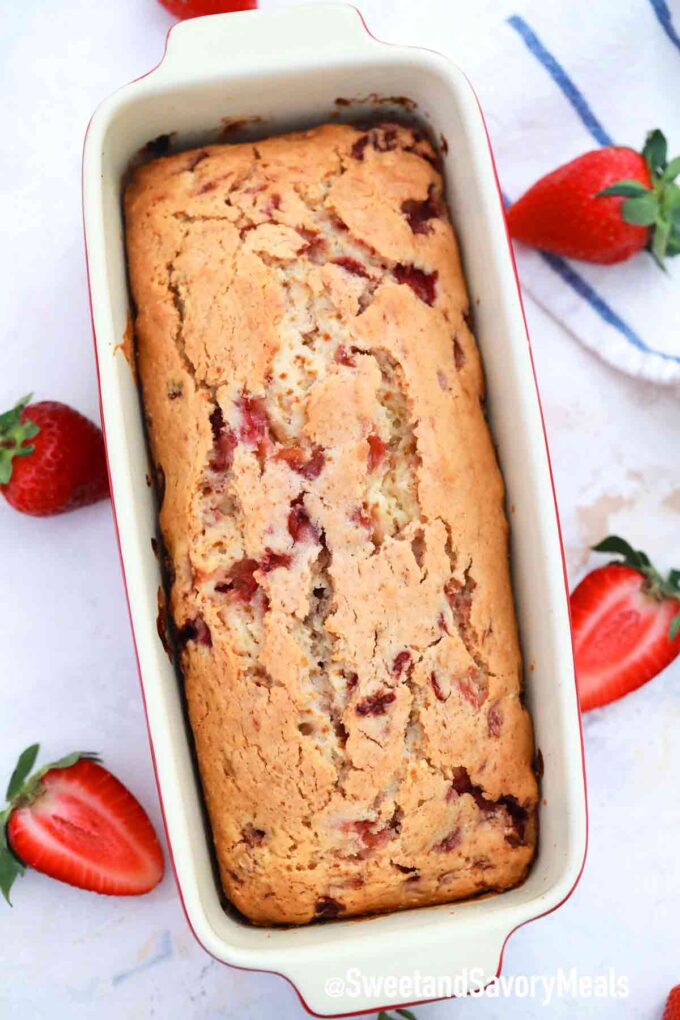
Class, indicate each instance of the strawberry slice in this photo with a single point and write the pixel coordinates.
(75, 822)
(626, 624)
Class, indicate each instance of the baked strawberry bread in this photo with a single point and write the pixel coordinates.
(332, 512)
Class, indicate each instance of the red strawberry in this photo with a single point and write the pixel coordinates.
(626, 625)
(75, 822)
(51, 459)
(197, 8)
(604, 206)
(672, 1010)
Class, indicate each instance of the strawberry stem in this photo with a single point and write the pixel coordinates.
(15, 434)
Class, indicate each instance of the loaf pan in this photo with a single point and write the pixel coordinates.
(261, 73)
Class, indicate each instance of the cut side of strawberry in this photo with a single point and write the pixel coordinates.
(76, 822)
(626, 625)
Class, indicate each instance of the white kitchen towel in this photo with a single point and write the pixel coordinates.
(556, 78)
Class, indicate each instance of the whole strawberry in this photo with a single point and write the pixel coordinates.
(51, 459)
(74, 821)
(626, 624)
(672, 1010)
(604, 206)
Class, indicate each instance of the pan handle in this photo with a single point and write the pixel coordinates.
(258, 41)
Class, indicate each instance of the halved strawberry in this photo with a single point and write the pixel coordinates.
(626, 625)
(75, 822)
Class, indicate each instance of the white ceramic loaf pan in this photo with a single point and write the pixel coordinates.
(287, 68)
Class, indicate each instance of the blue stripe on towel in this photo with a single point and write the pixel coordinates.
(599, 305)
(567, 273)
(663, 14)
(561, 79)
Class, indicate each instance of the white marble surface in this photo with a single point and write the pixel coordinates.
(66, 660)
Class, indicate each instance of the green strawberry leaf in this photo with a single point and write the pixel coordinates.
(655, 151)
(70, 759)
(4, 818)
(629, 189)
(673, 247)
(642, 211)
(657, 209)
(674, 579)
(674, 212)
(22, 771)
(10, 869)
(672, 170)
(674, 628)
(631, 557)
(8, 418)
(10, 865)
(14, 436)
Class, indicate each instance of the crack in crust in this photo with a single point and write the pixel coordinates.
(333, 520)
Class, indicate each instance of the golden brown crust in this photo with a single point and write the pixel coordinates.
(333, 517)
